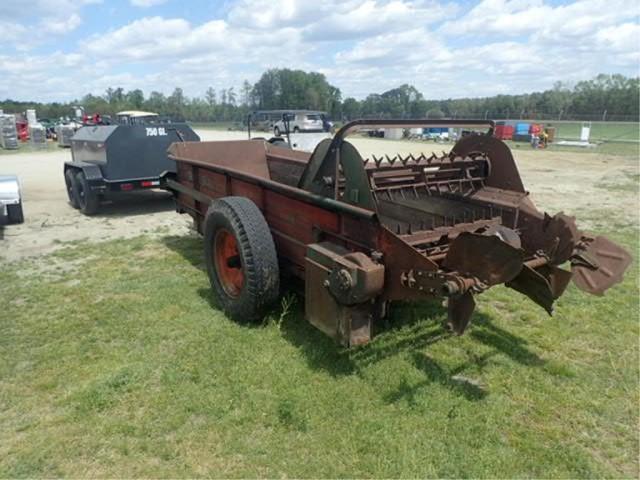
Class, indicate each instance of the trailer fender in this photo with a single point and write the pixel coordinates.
(92, 173)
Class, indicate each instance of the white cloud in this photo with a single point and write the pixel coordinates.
(377, 18)
(363, 46)
(10, 31)
(332, 20)
(62, 25)
(34, 22)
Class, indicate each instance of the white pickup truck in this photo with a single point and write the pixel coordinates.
(10, 200)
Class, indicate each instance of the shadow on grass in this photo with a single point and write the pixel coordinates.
(410, 329)
(129, 204)
(503, 341)
(188, 247)
(434, 373)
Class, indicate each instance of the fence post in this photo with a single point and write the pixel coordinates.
(604, 116)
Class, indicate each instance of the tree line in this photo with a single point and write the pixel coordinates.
(605, 97)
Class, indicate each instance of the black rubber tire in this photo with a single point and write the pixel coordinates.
(70, 182)
(276, 131)
(88, 200)
(296, 130)
(259, 261)
(14, 213)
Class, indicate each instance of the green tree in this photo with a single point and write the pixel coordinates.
(245, 97)
(135, 98)
(210, 96)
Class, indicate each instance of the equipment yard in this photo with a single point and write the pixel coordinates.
(594, 187)
(116, 362)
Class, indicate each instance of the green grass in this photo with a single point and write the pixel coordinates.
(600, 131)
(115, 362)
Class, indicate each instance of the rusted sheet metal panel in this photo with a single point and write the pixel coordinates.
(290, 251)
(213, 184)
(441, 226)
(298, 219)
(253, 192)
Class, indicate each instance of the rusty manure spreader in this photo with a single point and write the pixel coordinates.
(365, 232)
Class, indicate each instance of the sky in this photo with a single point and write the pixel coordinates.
(59, 50)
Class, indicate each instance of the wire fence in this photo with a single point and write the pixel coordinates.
(603, 116)
(614, 128)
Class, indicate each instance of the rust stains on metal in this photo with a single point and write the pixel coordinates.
(364, 232)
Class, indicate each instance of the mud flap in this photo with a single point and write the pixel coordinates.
(598, 265)
(543, 285)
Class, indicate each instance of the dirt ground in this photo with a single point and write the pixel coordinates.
(571, 182)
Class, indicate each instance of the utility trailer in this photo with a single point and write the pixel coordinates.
(362, 233)
(109, 159)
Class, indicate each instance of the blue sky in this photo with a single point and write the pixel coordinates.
(62, 49)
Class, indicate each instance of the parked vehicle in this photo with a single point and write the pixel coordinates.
(108, 159)
(364, 233)
(263, 120)
(10, 200)
(300, 122)
(306, 142)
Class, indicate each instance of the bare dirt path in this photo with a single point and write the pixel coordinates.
(572, 182)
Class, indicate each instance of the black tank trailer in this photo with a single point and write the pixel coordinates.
(129, 155)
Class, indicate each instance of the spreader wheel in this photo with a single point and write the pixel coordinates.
(241, 258)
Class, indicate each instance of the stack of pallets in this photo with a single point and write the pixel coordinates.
(8, 132)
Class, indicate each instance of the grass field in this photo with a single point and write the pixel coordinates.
(114, 362)
(600, 131)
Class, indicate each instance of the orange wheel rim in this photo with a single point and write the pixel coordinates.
(228, 262)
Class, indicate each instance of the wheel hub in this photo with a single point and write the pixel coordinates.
(228, 262)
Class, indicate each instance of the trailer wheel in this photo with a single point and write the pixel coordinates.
(15, 214)
(70, 181)
(276, 131)
(88, 200)
(241, 258)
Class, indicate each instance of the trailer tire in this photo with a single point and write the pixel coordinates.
(70, 182)
(15, 214)
(88, 200)
(241, 258)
